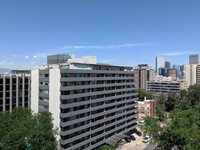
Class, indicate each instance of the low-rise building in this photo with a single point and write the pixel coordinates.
(14, 91)
(158, 87)
(146, 108)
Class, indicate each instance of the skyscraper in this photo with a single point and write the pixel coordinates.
(178, 71)
(143, 73)
(92, 104)
(167, 64)
(160, 63)
(194, 59)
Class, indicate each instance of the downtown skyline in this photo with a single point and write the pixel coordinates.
(119, 33)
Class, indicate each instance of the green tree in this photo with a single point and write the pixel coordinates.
(193, 94)
(162, 99)
(143, 93)
(170, 102)
(105, 147)
(23, 130)
(180, 130)
(160, 112)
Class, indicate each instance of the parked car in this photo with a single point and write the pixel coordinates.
(146, 139)
(127, 139)
(142, 122)
(132, 137)
(138, 133)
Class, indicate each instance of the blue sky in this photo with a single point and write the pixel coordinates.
(119, 32)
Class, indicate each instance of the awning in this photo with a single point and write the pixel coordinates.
(114, 139)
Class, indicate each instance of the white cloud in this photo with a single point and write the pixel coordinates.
(115, 46)
(26, 57)
(34, 57)
(6, 64)
(177, 53)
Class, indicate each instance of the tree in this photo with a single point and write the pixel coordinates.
(105, 147)
(143, 93)
(160, 112)
(162, 99)
(23, 130)
(193, 94)
(147, 128)
(181, 129)
(170, 102)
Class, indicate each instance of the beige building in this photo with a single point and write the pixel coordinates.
(143, 74)
(190, 74)
(146, 108)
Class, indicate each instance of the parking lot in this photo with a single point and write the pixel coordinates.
(136, 145)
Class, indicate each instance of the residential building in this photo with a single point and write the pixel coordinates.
(160, 63)
(146, 108)
(190, 74)
(143, 73)
(156, 87)
(194, 59)
(198, 74)
(92, 104)
(14, 91)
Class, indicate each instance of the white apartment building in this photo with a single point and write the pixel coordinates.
(92, 104)
(190, 74)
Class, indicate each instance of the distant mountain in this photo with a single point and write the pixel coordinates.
(5, 70)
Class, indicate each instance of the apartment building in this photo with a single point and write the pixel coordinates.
(157, 87)
(190, 74)
(198, 74)
(143, 73)
(14, 91)
(92, 104)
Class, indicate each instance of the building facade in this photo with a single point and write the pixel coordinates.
(160, 63)
(143, 73)
(166, 86)
(146, 108)
(194, 59)
(198, 74)
(92, 104)
(167, 64)
(14, 91)
(172, 73)
(190, 74)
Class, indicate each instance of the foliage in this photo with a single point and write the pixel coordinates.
(148, 130)
(170, 102)
(143, 93)
(160, 112)
(105, 147)
(162, 99)
(181, 129)
(22, 130)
